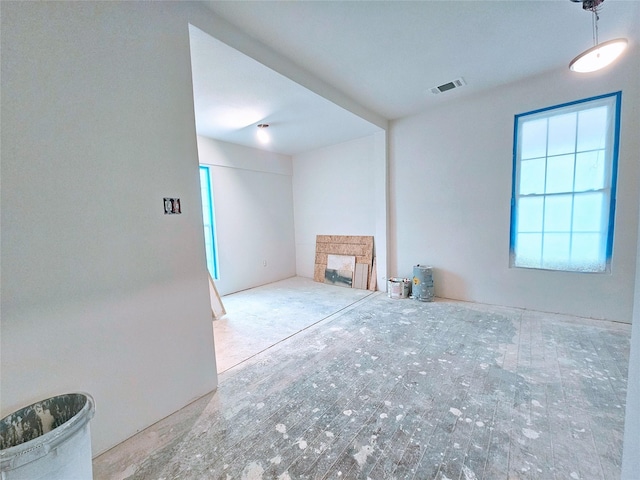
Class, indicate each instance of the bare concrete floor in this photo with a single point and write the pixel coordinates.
(259, 318)
(402, 389)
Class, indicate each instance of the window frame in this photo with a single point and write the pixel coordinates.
(211, 218)
(613, 155)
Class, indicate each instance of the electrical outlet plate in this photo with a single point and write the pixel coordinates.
(172, 206)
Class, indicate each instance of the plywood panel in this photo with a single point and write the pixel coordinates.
(358, 246)
(360, 276)
(373, 277)
(217, 308)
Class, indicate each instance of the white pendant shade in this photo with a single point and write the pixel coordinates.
(599, 56)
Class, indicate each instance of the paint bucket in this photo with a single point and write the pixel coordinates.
(423, 283)
(398, 287)
(48, 440)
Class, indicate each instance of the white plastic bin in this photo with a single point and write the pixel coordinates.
(48, 440)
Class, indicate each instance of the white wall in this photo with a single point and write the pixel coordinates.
(450, 173)
(340, 190)
(631, 453)
(253, 203)
(101, 292)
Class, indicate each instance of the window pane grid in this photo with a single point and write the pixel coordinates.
(547, 195)
(563, 187)
(559, 235)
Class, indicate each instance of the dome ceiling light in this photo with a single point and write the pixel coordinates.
(262, 134)
(601, 54)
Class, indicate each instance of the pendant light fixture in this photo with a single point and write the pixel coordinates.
(601, 54)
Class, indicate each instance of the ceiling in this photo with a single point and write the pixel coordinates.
(233, 93)
(384, 55)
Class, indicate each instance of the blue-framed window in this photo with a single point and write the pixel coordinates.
(564, 185)
(208, 220)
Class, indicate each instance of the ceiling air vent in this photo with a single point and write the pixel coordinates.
(457, 83)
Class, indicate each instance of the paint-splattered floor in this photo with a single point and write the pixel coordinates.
(259, 318)
(404, 389)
